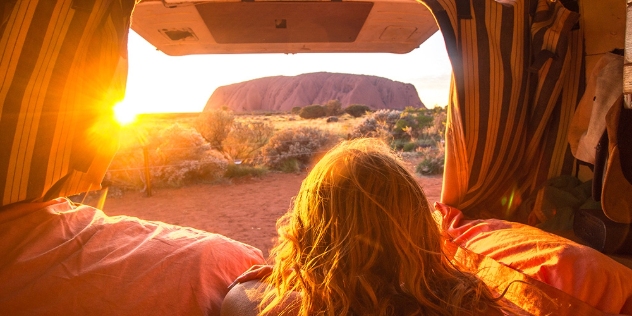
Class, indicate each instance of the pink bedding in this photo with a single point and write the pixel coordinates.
(61, 260)
(577, 270)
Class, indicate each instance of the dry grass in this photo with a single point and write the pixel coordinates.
(342, 128)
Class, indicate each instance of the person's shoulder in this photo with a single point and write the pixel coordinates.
(244, 300)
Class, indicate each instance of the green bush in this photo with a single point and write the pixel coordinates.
(426, 143)
(357, 110)
(412, 124)
(296, 110)
(239, 171)
(433, 161)
(410, 146)
(312, 111)
(290, 166)
(300, 144)
(214, 125)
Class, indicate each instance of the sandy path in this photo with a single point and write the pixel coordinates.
(245, 210)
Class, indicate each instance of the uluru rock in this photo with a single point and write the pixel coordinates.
(282, 93)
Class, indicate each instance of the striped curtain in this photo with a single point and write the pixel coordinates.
(63, 66)
(517, 78)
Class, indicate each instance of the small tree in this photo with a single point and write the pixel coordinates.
(214, 126)
(312, 111)
(333, 108)
(357, 110)
(245, 139)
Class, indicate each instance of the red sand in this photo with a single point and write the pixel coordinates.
(245, 210)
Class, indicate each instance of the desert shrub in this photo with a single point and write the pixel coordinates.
(290, 166)
(438, 110)
(246, 139)
(404, 145)
(412, 123)
(125, 170)
(184, 157)
(439, 123)
(427, 142)
(432, 162)
(312, 111)
(239, 171)
(209, 168)
(179, 143)
(386, 117)
(366, 128)
(214, 126)
(177, 155)
(404, 128)
(299, 144)
(296, 110)
(332, 108)
(370, 127)
(409, 146)
(424, 121)
(357, 110)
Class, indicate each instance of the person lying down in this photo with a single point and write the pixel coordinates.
(361, 239)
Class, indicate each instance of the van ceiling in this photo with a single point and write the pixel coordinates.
(219, 27)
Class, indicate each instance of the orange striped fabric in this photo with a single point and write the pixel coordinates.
(517, 78)
(63, 66)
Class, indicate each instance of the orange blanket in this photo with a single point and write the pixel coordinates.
(579, 271)
(61, 260)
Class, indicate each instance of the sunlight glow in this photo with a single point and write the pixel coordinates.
(125, 113)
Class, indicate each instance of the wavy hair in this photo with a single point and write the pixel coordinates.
(361, 240)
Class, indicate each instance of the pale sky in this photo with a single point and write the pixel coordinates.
(161, 83)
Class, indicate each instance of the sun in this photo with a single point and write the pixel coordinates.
(124, 113)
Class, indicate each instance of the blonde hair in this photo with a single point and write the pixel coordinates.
(361, 240)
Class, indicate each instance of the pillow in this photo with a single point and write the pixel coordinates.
(580, 271)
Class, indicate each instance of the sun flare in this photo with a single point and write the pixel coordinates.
(124, 113)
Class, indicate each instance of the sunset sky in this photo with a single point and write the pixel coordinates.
(161, 83)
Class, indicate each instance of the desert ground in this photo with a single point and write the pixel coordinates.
(243, 209)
